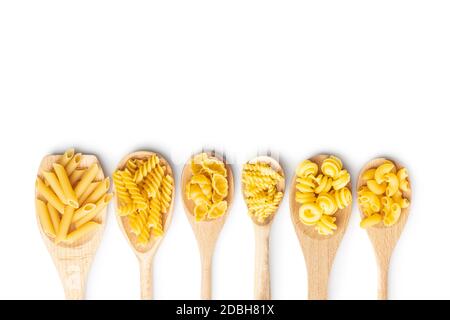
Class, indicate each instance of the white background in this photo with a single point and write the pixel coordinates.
(359, 79)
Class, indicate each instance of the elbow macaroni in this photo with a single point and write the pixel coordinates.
(144, 191)
(321, 193)
(261, 194)
(382, 198)
(208, 187)
(65, 214)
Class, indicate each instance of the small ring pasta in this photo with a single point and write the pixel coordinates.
(331, 167)
(307, 168)
(321, 193)
(328, 203)
(310, 213)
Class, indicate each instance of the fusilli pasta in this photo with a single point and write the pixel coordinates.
(261, 194)
(144, 191)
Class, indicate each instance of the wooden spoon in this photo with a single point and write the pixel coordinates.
(73, 261)
(206, 232)
(319, 251)
(262, 237)
(384, 238)
(145, 254)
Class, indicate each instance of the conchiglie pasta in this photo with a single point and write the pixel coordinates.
(381, 197)
(208, 187)
(321, 193)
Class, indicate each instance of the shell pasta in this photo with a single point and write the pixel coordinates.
(144, 191)
(60, 202)
(321, 192)
(208, 187)
(383, 194)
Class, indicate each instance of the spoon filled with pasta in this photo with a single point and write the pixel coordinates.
(207, 192)
(263, 187)
(320, 203)
(384, 196)
(144, 195)
(72, 196)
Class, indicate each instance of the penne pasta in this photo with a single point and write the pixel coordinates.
(100, 190)
(52, 180)
(71, 197)
(73, 164)
(100, 205)
(69, 202)
(44, 218)
(66, 157)
(86, 180)
(88, 192)
(49, 195)
(83, 211)
(76, 176)
(54, 216)
(83, 230)
(65, 224)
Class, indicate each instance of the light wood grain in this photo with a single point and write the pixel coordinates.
(384, 239)
(319, 251)
(262, 238)
(73, 261)
(206, 232)
(145, 255)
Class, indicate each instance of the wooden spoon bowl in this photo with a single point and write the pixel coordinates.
(206, 232)
(384, 239)
(73, 260)
(319, 251)
(280, 187)
(262, 237)
(145, 254)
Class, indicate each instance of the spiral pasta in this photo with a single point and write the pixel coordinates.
(208, 187)
(70, 198)
(321, 192)
(382, 195)
(261, 194)
(144, 191)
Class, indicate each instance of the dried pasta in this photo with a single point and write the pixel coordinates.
(260, 187)
(44, 217)
(144, 191)
(66, 204)
(321, 192)
(208, 187)
(382, 195)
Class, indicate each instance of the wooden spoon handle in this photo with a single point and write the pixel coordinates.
(262, 265)
(206, 293)
(73, 276)
(146, 270)
(318, 263)
(383, 272)
(318, 287)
